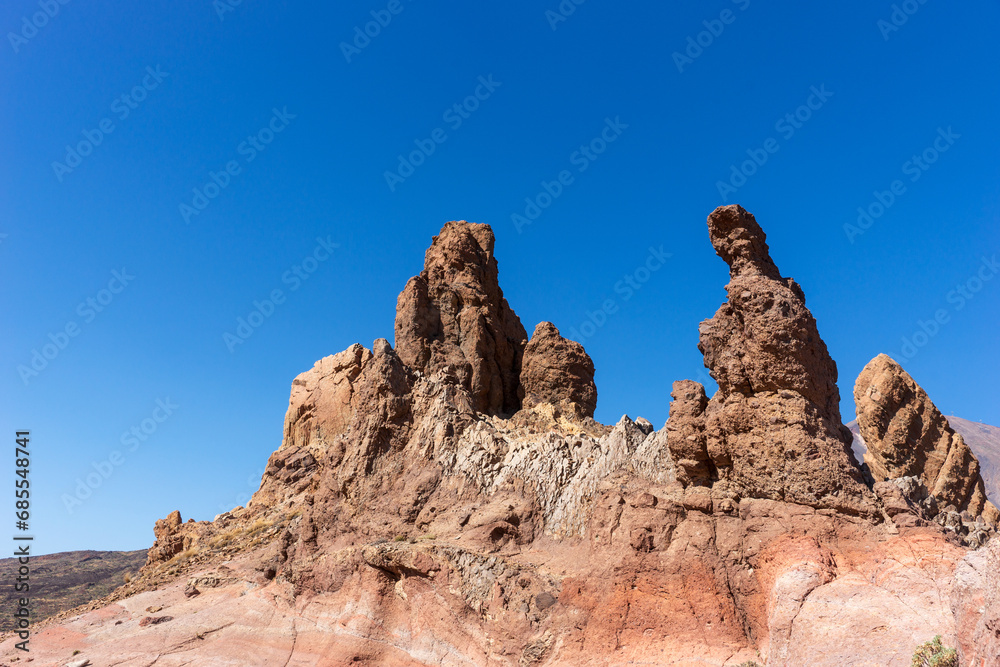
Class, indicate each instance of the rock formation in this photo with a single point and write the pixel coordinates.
(906, 435)
(415, 514)
(558, 372)
(686, 434)
(453, 317)
(774, 427)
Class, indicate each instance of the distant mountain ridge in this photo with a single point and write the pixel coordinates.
(983, 440)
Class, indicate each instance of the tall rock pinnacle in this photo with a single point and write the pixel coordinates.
(453, 317)
(774, 426)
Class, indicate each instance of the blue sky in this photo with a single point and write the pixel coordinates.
(292, 135)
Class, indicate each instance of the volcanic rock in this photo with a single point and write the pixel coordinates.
(774, 427)
(686, 434)
(454, 316)
(906, 435)
(559, 372)
(411, 518)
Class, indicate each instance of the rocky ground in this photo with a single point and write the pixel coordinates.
(452, 501)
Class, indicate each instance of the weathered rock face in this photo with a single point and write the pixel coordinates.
(975, 602)
(173, 537)
(774, 426)
(906, 435)
(686, 434)
(559, 372)
(404, 521)
(454, 315)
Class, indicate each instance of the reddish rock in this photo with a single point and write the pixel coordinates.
(453, 317)
(975, 602)
(558, 372)
(404, 521)
(774, 427)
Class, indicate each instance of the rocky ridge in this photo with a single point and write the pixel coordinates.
(451, 500)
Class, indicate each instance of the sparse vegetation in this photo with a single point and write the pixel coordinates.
(400, 538)
(749, 663)
(67, 580)
(934, 654)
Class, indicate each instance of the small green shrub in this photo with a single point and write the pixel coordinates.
(934, 654)
(400, 538)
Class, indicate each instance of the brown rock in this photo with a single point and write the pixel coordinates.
(906, 435)
(154, 620)
(559, 372)
(453, 317)
(686, 434)
(400, 525)
(774, 426)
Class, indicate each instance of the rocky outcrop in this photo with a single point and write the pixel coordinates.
(686, 434)
(173, 537)
(411, 518)
(774, 427)
(558, 372)
(453, 317)
(906, 435)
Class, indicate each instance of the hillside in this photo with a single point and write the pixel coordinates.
(66, 580)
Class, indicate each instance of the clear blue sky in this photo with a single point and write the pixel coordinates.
(885, 94)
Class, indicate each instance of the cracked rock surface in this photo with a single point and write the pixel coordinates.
(451, 501)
